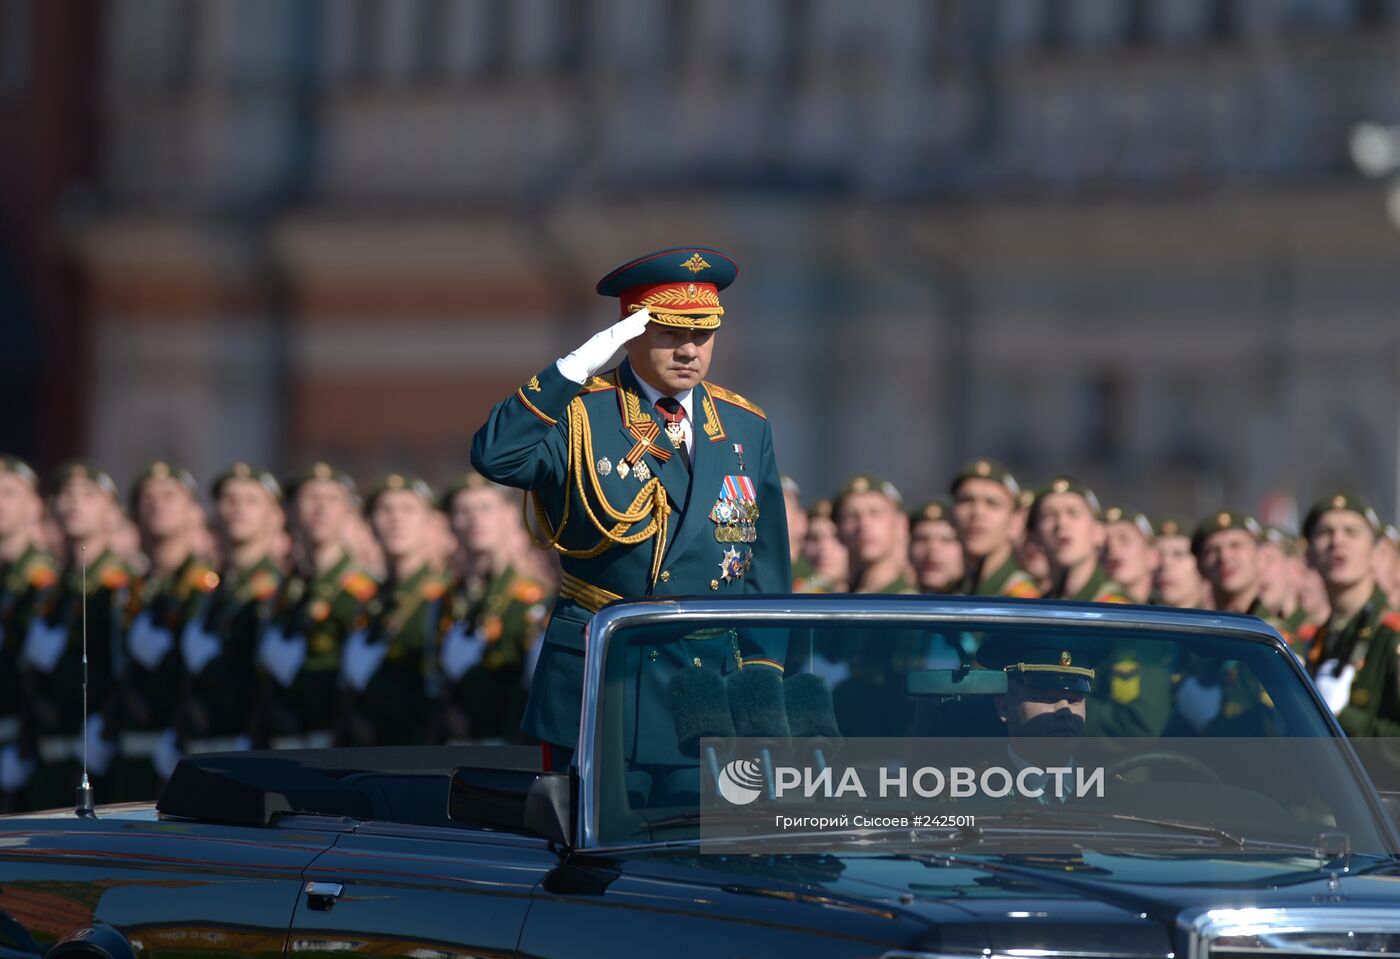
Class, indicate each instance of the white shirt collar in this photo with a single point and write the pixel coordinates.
(652, 395)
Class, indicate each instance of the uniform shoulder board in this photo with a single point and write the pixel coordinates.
(596, 384)
(359, 585)
(1392, 621)
(1111, 596)
(1022, 588)
(262, 585)
(114, 577)
(42, 574)
(526, 591)
(734, 399)
(202, 578)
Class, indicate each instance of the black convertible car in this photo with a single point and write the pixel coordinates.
(1232, 818)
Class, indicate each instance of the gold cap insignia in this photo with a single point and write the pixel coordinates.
(1065, 658)
(696, 263)
(1169, 528)
(1223, 520)
(1113, 515)
(322, 471)
(242, 470)
(1339, 502)
(394, 481)
(1060, 486)
(982, 468)
(160, 470)
(860, 485)
(933, 511)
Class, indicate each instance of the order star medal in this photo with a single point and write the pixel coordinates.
(642, 471)
(675, 432)
(731, 566)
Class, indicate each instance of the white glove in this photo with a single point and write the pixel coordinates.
(1335, 685)
(593, 355)
(1198, 703)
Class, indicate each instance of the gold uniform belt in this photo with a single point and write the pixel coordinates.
(590, 597)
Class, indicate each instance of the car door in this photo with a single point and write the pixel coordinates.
(401, 890)
(168, 888)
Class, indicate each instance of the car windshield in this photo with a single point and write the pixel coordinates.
(1200, 738)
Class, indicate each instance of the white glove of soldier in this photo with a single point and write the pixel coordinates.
(1198, 703)
(591, 356)
(1334, 683)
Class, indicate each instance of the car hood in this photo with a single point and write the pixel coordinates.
(1121, 905)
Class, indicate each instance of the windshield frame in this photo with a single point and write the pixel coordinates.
(797, 608)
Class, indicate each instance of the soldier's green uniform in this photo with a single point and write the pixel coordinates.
(489, 629)
(388, 676)
(299, 654)
(51, 674)
(1368, 644)
(219, 642)
(619, 504)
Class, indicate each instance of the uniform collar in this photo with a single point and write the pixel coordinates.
(652, 395)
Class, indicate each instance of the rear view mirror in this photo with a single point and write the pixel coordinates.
(956, 682)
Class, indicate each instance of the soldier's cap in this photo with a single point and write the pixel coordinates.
(18, 468)
(1117, 514)
(988, 470)
(1222, 520)
(1281, 538)
(244, 471)
(401, 481)
(822, 508)
(80, 470)
(1026, 499)
(471, 479)
(790, 486)
(320, 470)
(1169, 526)
(1342, 501)
(1044, 662)
(680, 286)
(935, 510)
(1066, 484)
(867, 483)
(162, 469)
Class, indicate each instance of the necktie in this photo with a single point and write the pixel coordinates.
(673, 414)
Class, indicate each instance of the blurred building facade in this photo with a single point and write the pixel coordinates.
(1120, 237)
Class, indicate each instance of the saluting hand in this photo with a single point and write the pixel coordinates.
(591, 356)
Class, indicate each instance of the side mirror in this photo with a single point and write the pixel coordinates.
(953, 682)
(549, 808)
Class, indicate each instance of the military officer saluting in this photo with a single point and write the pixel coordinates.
(218, 642)
(1355, 657)
(388, 667)
(990, 521)
(315, 609)
(647, 479)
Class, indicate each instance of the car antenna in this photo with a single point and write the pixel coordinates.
(83, 808)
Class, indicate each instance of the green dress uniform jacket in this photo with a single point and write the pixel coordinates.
(630, 520)
(1371, 643)
(1008, 579)
(388, 668)
(299, 654)
(217, 647)
(489, 631)
(51, 675)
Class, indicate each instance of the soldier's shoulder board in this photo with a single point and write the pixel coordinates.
(201, 577)
(596, 384)
(41, 573)
(526, 591)
(1022, 587)
(262, 584)
(359, 585)
(734, 399)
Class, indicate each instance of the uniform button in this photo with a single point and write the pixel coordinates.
(697, 662)
(665, 576)
(714, 584)
(652, 655)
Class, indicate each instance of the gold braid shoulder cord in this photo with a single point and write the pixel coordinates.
(649, 503)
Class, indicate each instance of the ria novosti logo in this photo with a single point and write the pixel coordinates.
(741, 781)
